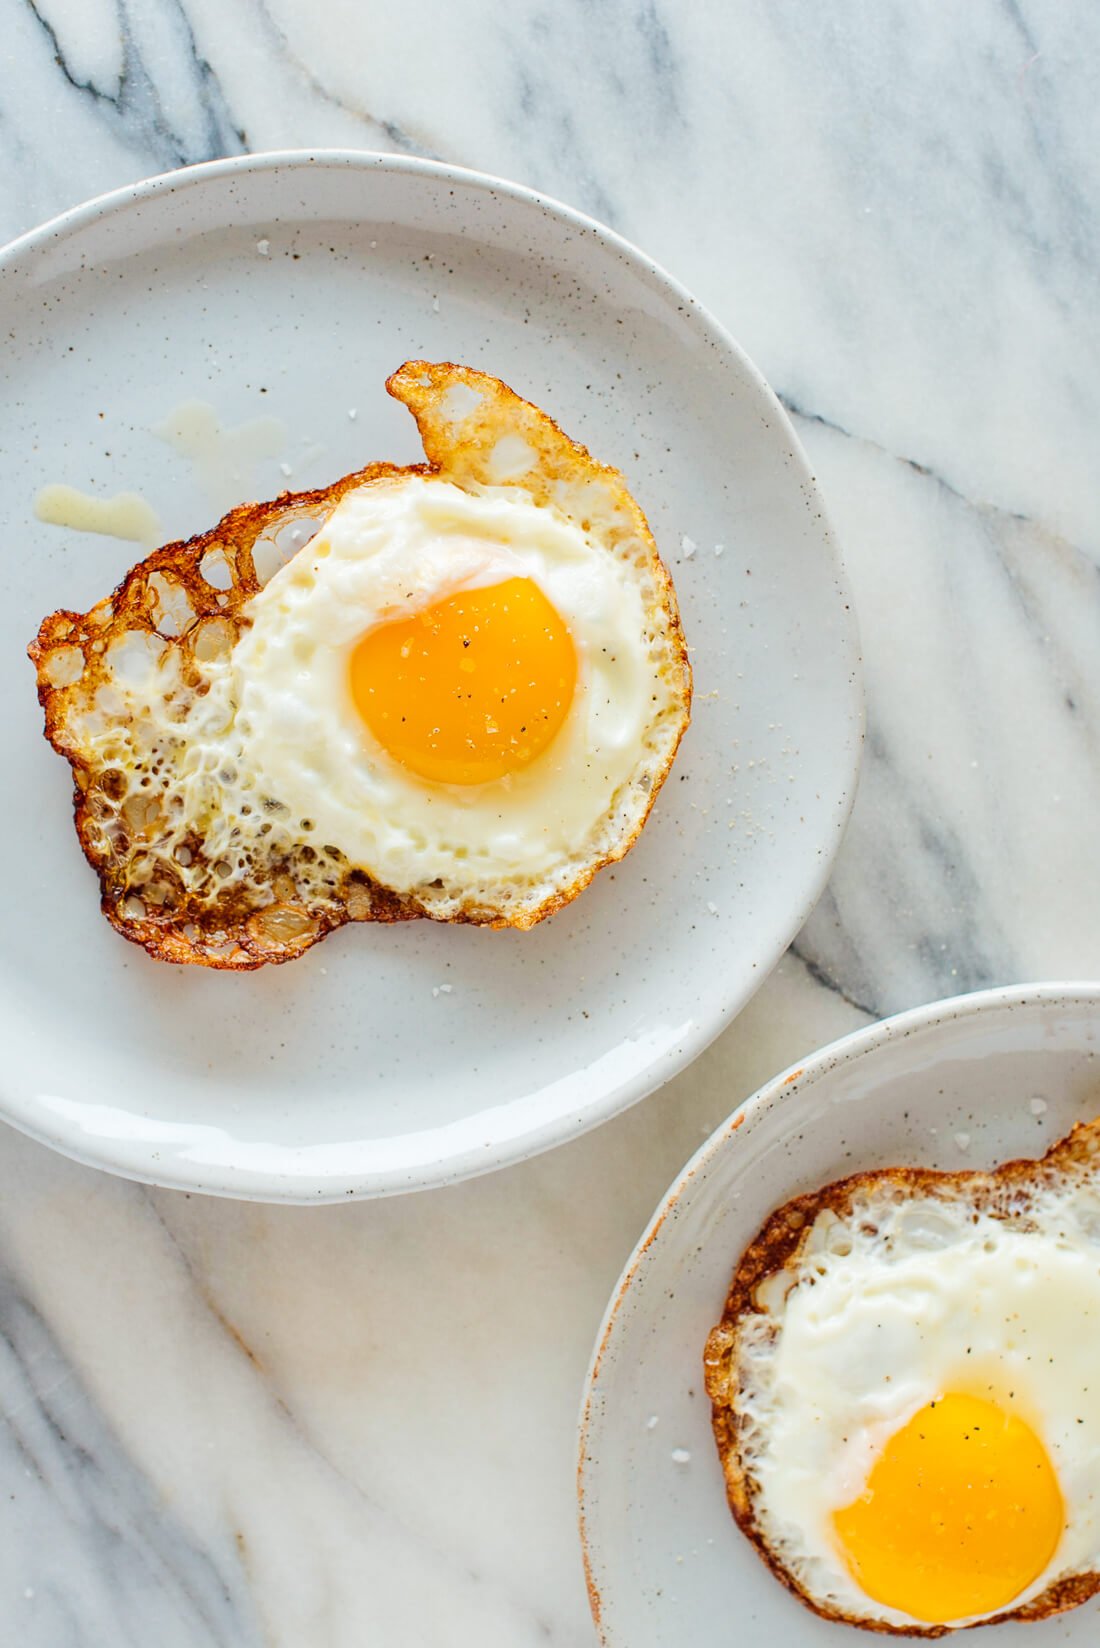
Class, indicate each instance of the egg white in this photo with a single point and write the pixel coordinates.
(891, 1307)
(280, 722)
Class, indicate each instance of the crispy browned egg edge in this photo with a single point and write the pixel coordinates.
(777, 1244)
(243, 927)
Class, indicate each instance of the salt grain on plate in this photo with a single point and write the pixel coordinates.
(689, 546)
(963, 1140)
(1037, 1106)
(681, 1456)
(264, 248)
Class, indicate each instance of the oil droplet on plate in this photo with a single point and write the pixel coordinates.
(126, 515)
(224, 459)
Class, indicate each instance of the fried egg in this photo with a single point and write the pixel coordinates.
(904, 1393)
(457, 695)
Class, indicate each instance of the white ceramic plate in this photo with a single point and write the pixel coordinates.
(667, 1565)
(289, 286)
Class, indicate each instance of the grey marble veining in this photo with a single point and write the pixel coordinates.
(231, 1424)
(91, 1552)
(970, 860)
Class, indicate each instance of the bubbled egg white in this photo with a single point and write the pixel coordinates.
(280, 704)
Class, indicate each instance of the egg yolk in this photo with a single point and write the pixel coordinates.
(470, 689)
(961, 1511)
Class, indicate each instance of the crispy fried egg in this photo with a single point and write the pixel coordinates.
(457, 696)
(904, 1393)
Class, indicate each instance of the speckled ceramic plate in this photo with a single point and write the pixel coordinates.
(962, 1083)
(288, 287)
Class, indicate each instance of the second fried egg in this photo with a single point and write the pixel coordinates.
(918, 1439)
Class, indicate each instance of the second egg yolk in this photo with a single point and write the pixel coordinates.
(470, 689)
(961, 1512)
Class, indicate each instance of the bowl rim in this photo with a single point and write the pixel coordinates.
(785, 1087)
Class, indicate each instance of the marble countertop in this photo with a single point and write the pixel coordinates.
(232, 1424)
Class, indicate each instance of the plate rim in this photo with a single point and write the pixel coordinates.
(171, 1168)
(780, 1089)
